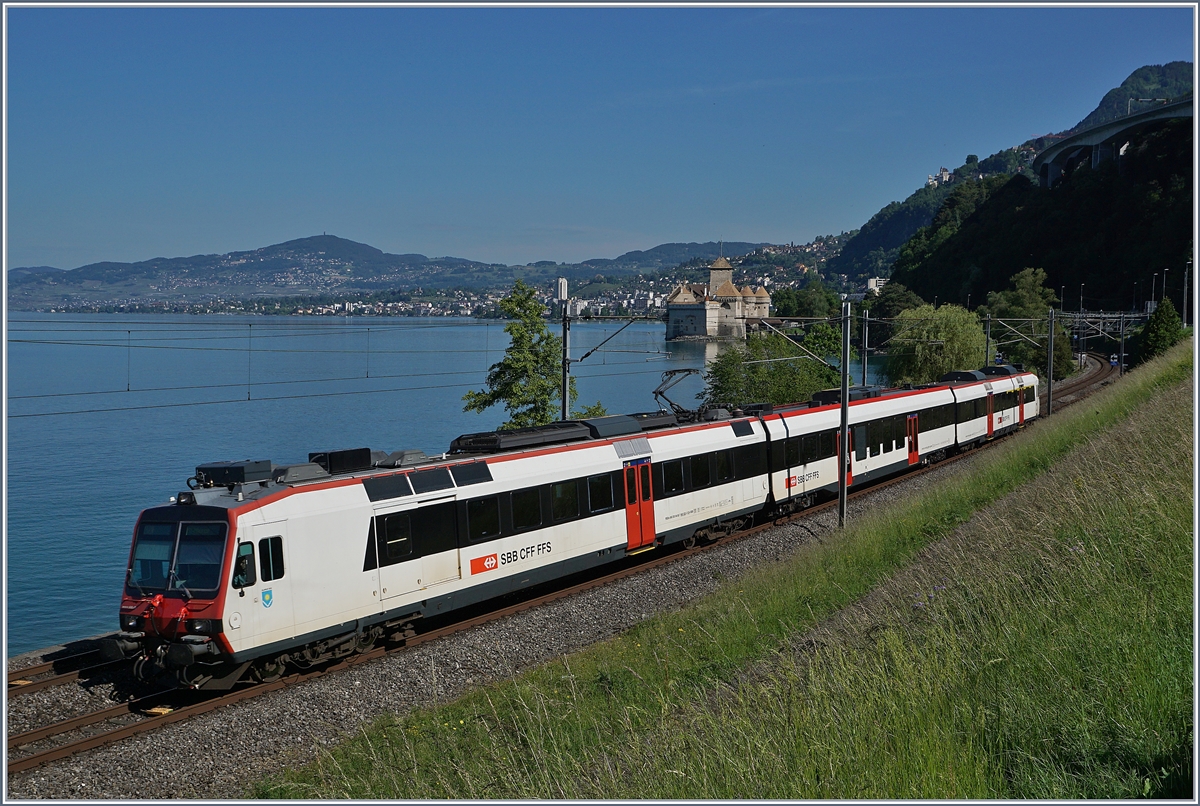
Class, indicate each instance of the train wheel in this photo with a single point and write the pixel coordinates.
(690, 542)
(191, 677)
(267, 671)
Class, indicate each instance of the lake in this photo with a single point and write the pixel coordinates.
(110, 414)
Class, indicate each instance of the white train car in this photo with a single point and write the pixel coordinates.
(258, 567)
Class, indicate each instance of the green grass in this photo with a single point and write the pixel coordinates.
(1044, 651)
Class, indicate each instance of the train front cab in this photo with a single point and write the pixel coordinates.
(171, 607)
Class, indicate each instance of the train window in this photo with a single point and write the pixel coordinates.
(243, 566)
(434, 529)
(564, 500)
(724, 466)
(600, 493)
(474, 473)
(778, 454)
(1029, 394)
(631, 485)
(645, 481)
(829, 443)
(701, 471)
(750, 460)
(808, 448)
(199, 557)
(875, 437)
(152, 555)
(981, 407)
(394, 533)
(793, 451)
(859, 440)
(270, 553)
(672, 475)
(527, 509)
(899, 430)
(425, 481)
(483, 518)
(381, 488)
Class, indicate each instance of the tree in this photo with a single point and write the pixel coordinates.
(811, 301)
(930, 342)
(528, 380)
(1163, 330)
(1028, 298)
(887, 303)
(731, 380)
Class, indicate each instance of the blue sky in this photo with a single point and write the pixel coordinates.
(522, 134)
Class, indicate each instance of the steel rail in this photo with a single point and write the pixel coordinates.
(22, 685)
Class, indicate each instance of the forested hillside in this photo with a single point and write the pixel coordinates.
(1107, 228)
(873, 251)
(1154, 81)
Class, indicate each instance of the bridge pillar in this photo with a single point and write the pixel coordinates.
(1101, 152)
(1050, 173)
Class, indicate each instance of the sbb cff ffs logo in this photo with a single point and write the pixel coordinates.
(481, 564)
(491, 561)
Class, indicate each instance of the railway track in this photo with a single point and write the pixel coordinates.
(148, 712)
(59, 672)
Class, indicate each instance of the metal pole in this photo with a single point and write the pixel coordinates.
(844, 439)
(1185, 296)
(1082, 338)
(566, 361)
(987, 342)
(1121, 366)
(1050, 367)
(866, 318)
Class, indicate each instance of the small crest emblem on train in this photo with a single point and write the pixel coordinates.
(267, 598)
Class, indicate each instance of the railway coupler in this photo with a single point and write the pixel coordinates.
(123, 645)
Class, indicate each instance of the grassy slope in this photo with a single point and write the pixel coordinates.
(1044, 651)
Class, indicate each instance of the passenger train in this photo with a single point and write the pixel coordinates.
(257, 568)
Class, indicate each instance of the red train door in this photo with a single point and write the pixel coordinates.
(991, 428)
(914, 455)
(639, 504)
(1021, 405)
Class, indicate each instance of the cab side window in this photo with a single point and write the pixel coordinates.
(270, 553)
(243, 566)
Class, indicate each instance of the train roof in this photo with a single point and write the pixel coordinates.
(228, 484)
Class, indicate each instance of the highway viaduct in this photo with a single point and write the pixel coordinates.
(1101, 142)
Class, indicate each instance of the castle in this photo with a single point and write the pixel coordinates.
(718, 309)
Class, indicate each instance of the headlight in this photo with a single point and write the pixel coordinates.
(202, 626)
(130, 623)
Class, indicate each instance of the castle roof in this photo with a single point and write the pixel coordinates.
(682, 296)
(721, 263)
(727, 289)
(761, 293)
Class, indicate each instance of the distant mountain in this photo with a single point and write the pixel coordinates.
(669, 255)
(322, 264)
(32, 270)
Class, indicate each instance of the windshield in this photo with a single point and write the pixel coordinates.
(185, 557)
